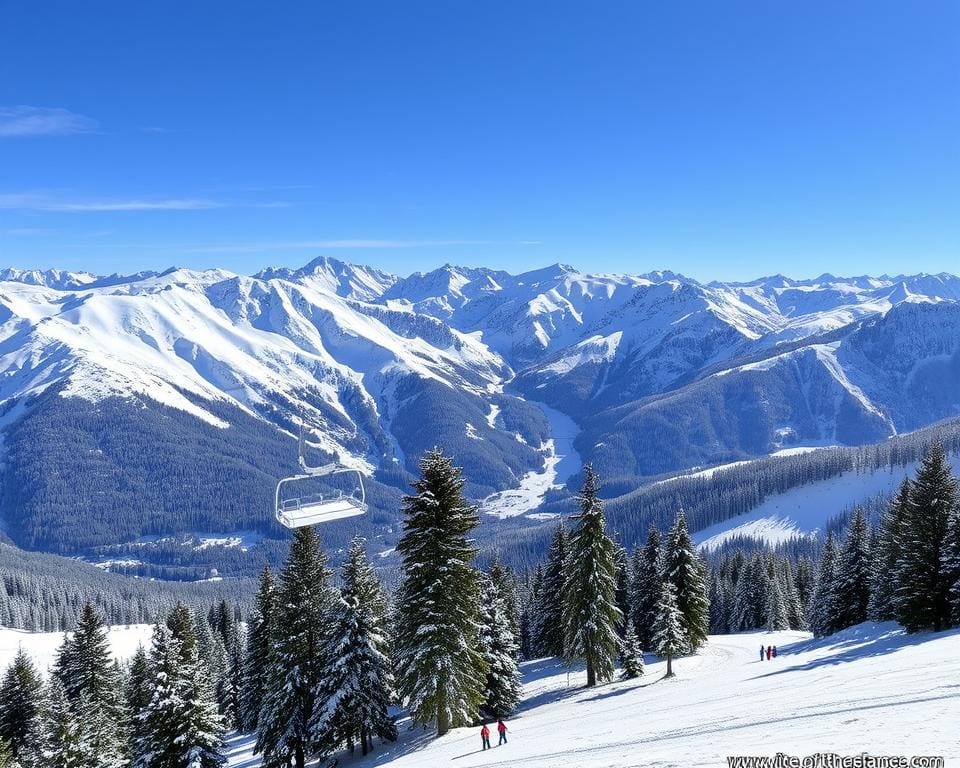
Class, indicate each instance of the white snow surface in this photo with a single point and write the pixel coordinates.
(560, 460)
(871, 688)
(42, 646)
(803, 510)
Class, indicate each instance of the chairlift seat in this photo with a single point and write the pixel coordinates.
(296, 513)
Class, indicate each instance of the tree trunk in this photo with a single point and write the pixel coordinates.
(669, 666)
(443, 716)
(363, 741)
(300, 759)
(591, 674)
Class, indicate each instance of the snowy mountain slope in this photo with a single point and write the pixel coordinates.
(654, 373)
(808, 508)
(870, 688)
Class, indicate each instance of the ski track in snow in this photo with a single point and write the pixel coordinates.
(871, 688)
(560, 461)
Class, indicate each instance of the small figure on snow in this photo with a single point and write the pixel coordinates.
(762, 652)
(774, 651)
(502, 728)
(769, 651)
(485, 736)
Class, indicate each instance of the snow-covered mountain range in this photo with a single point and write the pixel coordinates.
(653, 373)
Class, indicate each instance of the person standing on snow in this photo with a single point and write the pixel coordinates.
(769, 651)
(502, 728)
(762, 651)
(774, 651)
(485, 736)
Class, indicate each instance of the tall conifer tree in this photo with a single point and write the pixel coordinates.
(590, 614)
(440, 672)
(684, 569)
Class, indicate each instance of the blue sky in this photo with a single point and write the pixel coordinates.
(722, 140)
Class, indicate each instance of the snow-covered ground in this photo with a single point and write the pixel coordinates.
(559, 462)
(805, 509)
(871, 689)
(42, 646)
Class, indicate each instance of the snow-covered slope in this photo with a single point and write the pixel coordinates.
(655, 372)
(870, 689)
(42, 646)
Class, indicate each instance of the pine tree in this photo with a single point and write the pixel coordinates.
(886, 556)
(63, 742)
(505, 585)
(83, 664)
(823, 604)
(498, 644)
(647, 583)
(529, 648)
(180, 727)
(777, 618)
(923, 593)
(853, 575)
(360, 682)
(440, 672)
(138, 691)
(91, 686)
(669, 633)
(622, 591)
(951, 561)
(687, 572)
(299, 661)
(548, 612)
(21, 695)
(631, 654)
(590, 614)
(259, 639)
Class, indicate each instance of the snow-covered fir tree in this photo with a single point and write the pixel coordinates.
(684, 569)
(548, 609)
(92, 689)
(951, 562)
(21, 695)
(498, 644)
(777, 617)
(441, 674)
(138, 691)
(923, 592)
(359, 682)
(886, 556)
(823, 604)
(631, 654)
(63, 742)
(505, 584)
(669, 633)
(298, 662)
(528, 645)
(590, 614)
(646, 588)
(181, 727)
(853, 574)
(622, 591)
(257, 652)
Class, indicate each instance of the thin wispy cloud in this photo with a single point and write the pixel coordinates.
(347, 244)
(23, 121)
(39, 202)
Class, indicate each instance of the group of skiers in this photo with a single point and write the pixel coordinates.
(485, 734)
(770, 650)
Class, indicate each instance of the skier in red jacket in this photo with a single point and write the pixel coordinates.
(502, 728)
(485, 736)
(769, 651)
